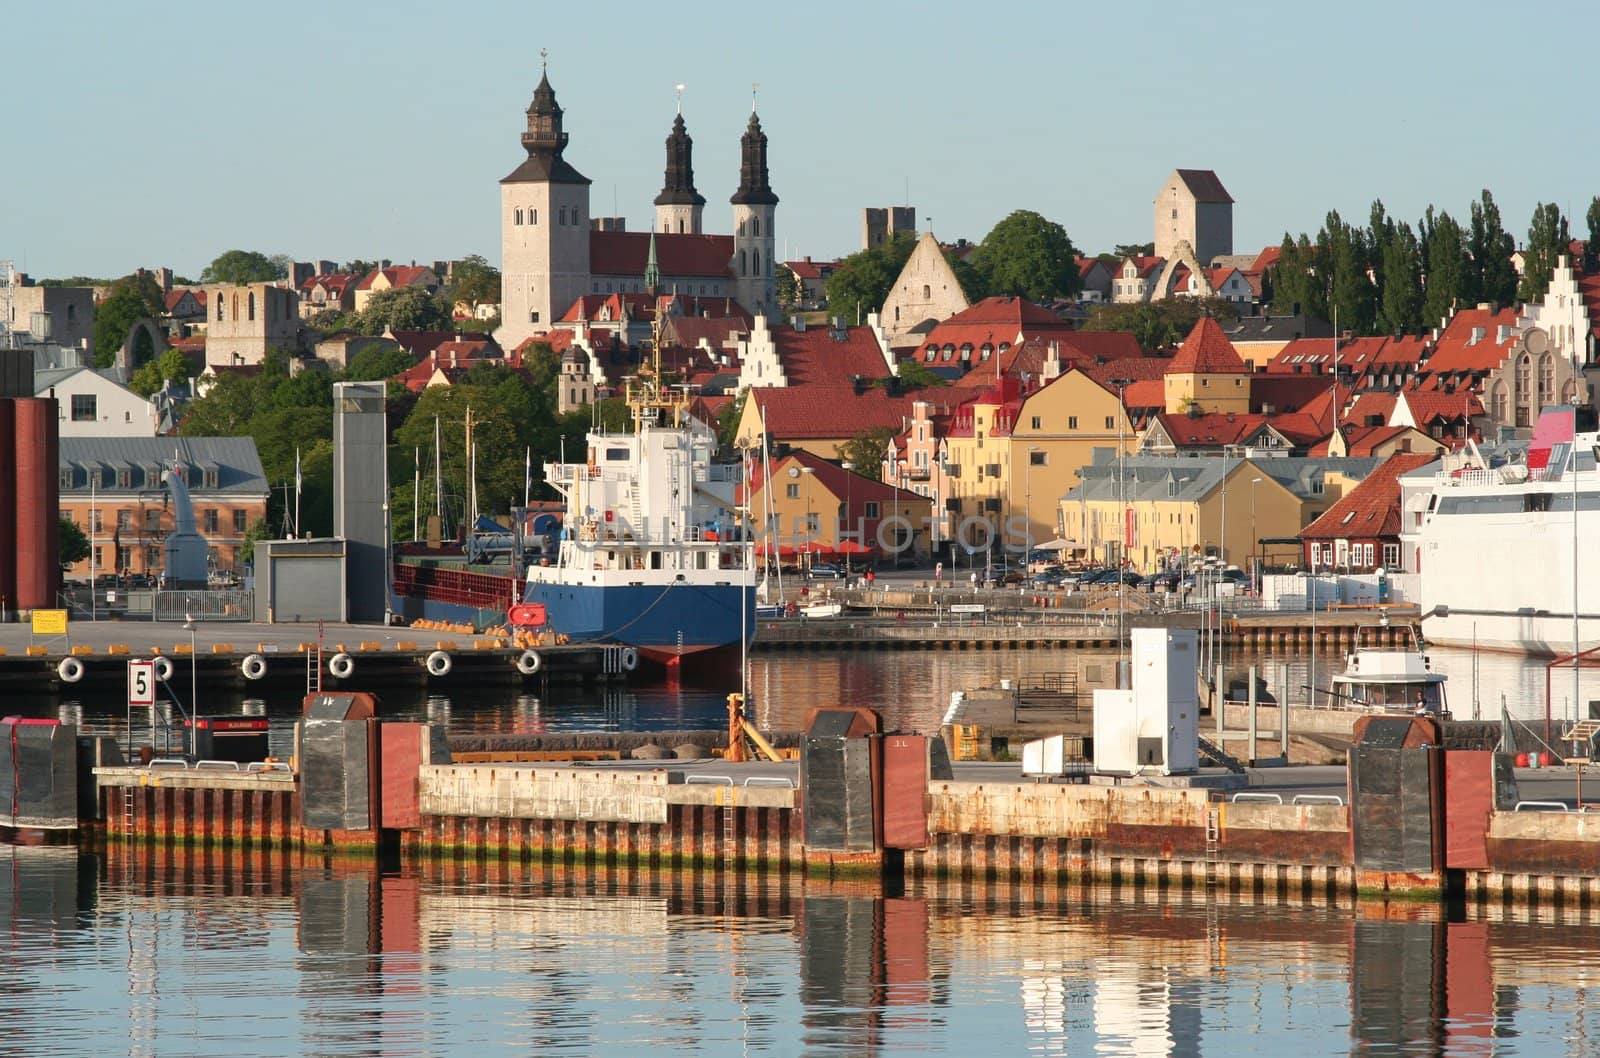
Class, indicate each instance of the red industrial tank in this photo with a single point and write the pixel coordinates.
(8, 508)
(38, 502)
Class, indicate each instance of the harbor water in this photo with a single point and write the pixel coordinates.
(182, 955)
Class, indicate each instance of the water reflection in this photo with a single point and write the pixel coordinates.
(177, 953)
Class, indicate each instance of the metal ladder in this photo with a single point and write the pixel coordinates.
(127, 813)
(1213, 840)
(730, 838)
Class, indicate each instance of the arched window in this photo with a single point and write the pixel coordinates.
(561, 218)
(755, 262)
(927, 292)
(219, 306)
(1497, 402)
(755, 227)
(518, 221)
(533, 216)
(742, 269)
(1547, 379)
(250, 305)
(680, 225)
(236, 308)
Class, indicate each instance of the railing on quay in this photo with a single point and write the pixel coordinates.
(200, 604)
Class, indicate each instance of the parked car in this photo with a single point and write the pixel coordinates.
(1050, 578)
(825, 571)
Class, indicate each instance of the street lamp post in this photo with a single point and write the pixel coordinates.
(1122, 385)
(811, 528)
(194, 707)
(1027, 556)
(1255, 562)
(849, 517)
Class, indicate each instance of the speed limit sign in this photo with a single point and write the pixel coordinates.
(141, 683)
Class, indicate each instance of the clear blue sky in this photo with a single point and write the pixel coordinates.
(163, 136)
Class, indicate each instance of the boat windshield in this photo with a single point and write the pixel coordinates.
(1396, 697)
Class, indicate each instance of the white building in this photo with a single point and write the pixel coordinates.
(93, 404)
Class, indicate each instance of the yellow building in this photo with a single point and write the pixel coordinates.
(1011, 455)
(1207, 374)
(812, 508)
(1183, 507)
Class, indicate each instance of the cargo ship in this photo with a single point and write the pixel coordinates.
(648, 550)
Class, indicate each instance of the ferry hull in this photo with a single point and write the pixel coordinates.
(668, 624)
(1512, 633)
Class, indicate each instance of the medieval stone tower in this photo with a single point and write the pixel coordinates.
(544, 225)
(755, 210)
(679, 205)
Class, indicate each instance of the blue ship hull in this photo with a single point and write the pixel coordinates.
(664, 622)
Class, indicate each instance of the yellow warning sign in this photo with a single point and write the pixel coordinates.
(49, 622)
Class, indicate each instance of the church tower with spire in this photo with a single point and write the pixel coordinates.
(754, 212)
(544, 227)
(679, 205)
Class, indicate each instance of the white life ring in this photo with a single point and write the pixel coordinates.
(254, 667)
(630, 659)
(438, 663)
(70, 670)
(528, 662)
(341, 665)
(163, 668)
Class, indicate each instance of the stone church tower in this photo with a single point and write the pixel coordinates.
(679, 205)
(754, 211)
(544, 228)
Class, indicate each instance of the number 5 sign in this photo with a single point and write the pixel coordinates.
(141, 683)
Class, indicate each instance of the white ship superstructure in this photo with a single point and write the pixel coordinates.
(1504, 561)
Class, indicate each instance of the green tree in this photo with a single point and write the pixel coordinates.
(474, 281)
(74, 545)
(1591, 248)
(1491, 276)
(917, 375)
(865, 451)
(376, 362)
(1296, 279)
(1548, 239)
(1444, 265)
(403, 309)
(243, 266)
(1402, 282)
(862, 280)
(1351, 298)
(1157, 325)
(728, 417)
(113, 319)
(170, 366)
(1028, 256)
(791, 290)
(359, 267)
(1124, 250)
(257, 530)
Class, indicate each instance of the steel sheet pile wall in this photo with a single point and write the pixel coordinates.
(8, 508)
(38, 495)
(38, 774)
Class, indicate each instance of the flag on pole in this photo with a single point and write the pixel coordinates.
(527, 475)
(297, 472)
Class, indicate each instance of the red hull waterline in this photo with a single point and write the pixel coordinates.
(694, 661)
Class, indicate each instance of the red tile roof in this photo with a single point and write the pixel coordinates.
(1207, 351)
(1144, 266)
(1266, 259)
(1462, 348)
(1429, 407)
(823, 412)
(625, 253)
(1371, 405)
(1372, 508)
(420, 343)
(809, 269)
(815, 357)
(1287, 393)
(1209, 431)
(336, 283)
(1145, 393)
(398, 276)
(1138, 368)
(1363, 441)
(837, 480)
(721, 334)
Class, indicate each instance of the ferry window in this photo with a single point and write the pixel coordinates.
(655, 560)
(700, 560)
(614, 455)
